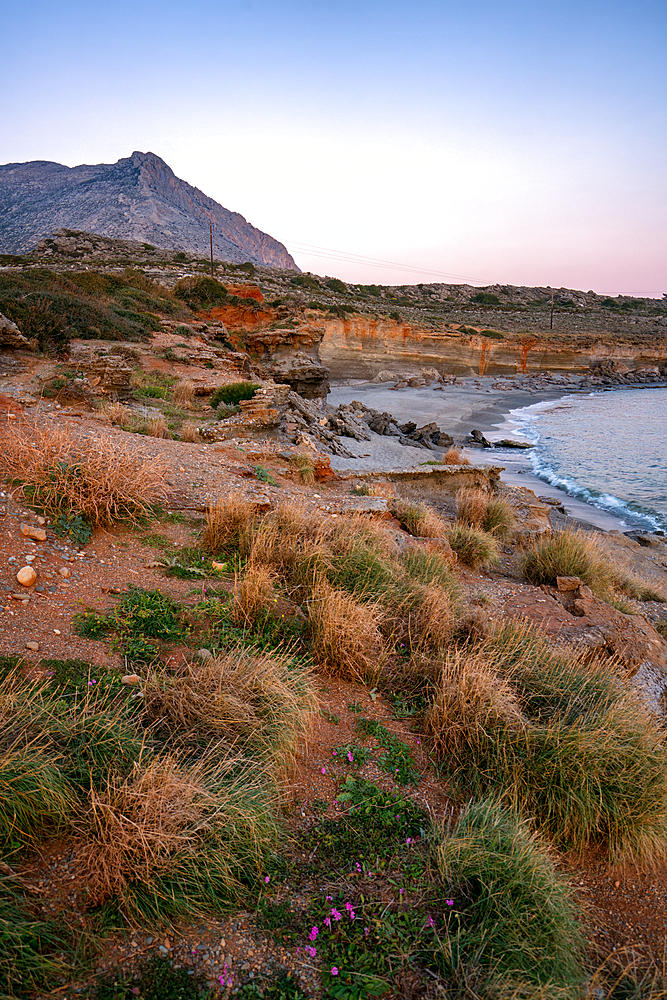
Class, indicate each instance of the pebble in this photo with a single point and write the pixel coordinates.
(38, 534)
(32, 645)
(26, 576)
(64, 571)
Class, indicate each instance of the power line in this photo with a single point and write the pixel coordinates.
(327, 253)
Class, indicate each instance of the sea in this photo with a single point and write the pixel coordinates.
(607, 449)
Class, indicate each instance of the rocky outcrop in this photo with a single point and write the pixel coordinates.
(11, 336)
(365, 346)
(138, 198)
(572, 612)
(291, 357)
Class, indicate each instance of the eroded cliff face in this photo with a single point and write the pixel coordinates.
(361, 346)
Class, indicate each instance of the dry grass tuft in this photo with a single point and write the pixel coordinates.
(257, 701)
(419, 519)
(305, 467)
(288, 539)
(478, 509)
(569, 553)
(253, 595)
(183, 394)
(558, 737)
(166, 842)
(95, 477)
(471, 699)
(229, 522)
(436, 620)
(133, 827)
(190, 432)
(347, 641)
(117, 414)
(471, 505)
(454, 456)
(474, 547)
(155, 427)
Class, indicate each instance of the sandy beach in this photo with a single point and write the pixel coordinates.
(458, 409)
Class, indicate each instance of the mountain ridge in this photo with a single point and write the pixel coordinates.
(137, 198)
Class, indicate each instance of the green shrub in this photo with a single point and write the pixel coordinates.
(336, 285)
(517, 917)
(486, 299)
(232, 393)
(305, 281)
(201, 292)
(141, 618)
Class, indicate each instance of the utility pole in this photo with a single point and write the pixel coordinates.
(551, 321)
(210, 227)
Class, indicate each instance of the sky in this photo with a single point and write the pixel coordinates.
(392, 142)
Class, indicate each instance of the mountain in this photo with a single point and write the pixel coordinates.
(138, 198)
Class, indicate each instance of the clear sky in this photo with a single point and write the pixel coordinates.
(513, 141)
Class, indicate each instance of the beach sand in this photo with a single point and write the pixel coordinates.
(458, 409)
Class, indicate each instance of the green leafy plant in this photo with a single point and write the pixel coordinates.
(397, 760)
(265, 476)
(75, 526)
(140, 618)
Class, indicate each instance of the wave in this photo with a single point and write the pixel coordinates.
(524, 423)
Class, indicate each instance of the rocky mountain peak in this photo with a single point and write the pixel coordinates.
(137, 198)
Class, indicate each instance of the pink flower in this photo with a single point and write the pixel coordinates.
(323, 770)
(349, 756)
(430, 922)
(335, 913)
(335, 753)
(348, 906)
(334, 971)
(450, 902)
(367, 931)
(327, 921)
(313, 933)
(311, 951)
(267, 878)
(329, 899)
(352, 915)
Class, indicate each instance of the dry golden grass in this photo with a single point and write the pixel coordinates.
(481, 510)
(156, 427)
(471, 506)
(454, 456)
(253, 700)
(96, 477)
(189, 431)
(471, 698)
(132, 828)
(419, 519)
(253, 595)
(228, 523)
(287, 540)
(347, 641)
(183, 394)
(305, 467)
(437, 620)
(164, 841)
(117, 414)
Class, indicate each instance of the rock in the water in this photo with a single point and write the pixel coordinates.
(26, 576)
(37, 534)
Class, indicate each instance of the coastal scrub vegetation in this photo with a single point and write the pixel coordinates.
(171, 790)
(63, 474)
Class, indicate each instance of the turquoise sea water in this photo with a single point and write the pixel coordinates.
(608, 449)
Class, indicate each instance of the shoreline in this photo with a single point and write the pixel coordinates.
(458, 409)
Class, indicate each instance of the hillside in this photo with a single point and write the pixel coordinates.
(138, 198)
(355, 330)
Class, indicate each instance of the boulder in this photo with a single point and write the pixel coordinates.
(11, 336)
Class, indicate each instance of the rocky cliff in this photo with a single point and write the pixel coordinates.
(138, 198)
